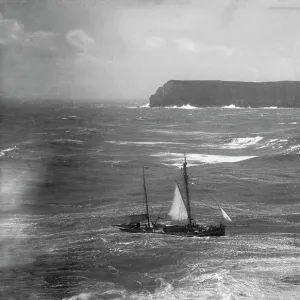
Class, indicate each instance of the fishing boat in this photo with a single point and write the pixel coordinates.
(179, 216)
(140, 223)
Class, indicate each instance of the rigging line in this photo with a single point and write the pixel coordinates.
(214, 200)
(158, 217)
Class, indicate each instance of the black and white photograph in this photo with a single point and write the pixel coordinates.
(149, 149)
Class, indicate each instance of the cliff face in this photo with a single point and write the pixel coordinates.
(220, 93)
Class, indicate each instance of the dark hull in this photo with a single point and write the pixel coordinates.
(177, 230)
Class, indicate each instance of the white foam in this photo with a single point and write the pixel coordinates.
(293, 149)
(274, 143)
(196, 159)
(6, 151)
(143, 143)
(146, 105)
(68, 142)
(114, 161)
(240, 143)
(188, 106)
(237, 107)
(231, 106)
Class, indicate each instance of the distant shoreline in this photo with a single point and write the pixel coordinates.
(217, 93)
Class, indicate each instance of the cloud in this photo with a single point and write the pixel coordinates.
(186, 45)
(291, 5)
(155, 42)
(80, 40)
(10, 31)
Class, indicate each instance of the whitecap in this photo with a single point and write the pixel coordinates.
(240, 143)
(146, 105)
(274, 143)
(67, 142)
(143, 143)
(115, 161)
(188, 106)
(196, 159)
(231, 106)
(5, 152)
(293, 150)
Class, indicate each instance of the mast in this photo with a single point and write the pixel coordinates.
(146, 199)
(186, 177)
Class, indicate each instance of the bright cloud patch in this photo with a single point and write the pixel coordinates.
(79, 39)
(186, 45)
(155, 42)
(10, 30)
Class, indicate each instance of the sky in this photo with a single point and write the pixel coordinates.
(126, 49)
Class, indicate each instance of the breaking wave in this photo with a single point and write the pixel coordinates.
(175, 159)
(66, 142)
(293, 150)
(232, 280)
(274, 144)
(240, 143)
(145, 105)
(231, 106)
(238, 107)
(184, 107)
(6, 152)
(143, 143)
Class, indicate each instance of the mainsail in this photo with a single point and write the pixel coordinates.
(178, 211)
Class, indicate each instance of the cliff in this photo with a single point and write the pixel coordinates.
(220, 93)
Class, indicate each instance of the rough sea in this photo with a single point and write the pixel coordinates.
(71, 169)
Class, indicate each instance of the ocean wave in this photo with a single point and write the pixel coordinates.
(293, 150)
(86, 131)
(197, 159)
(145, 105)
(249, 107)
(70, 118)
(6, 152)
(274, 144)
(250, 278)
(66, 142)
(232, 106)
(240, 143)
(143, 143)
(188, 106)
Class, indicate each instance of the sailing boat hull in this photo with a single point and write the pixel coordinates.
(198, 231)
(138, 230)
(178, 230)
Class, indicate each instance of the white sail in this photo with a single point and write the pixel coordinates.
(225, 216)
(178, 210)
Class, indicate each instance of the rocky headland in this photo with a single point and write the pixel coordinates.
(211, 93)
